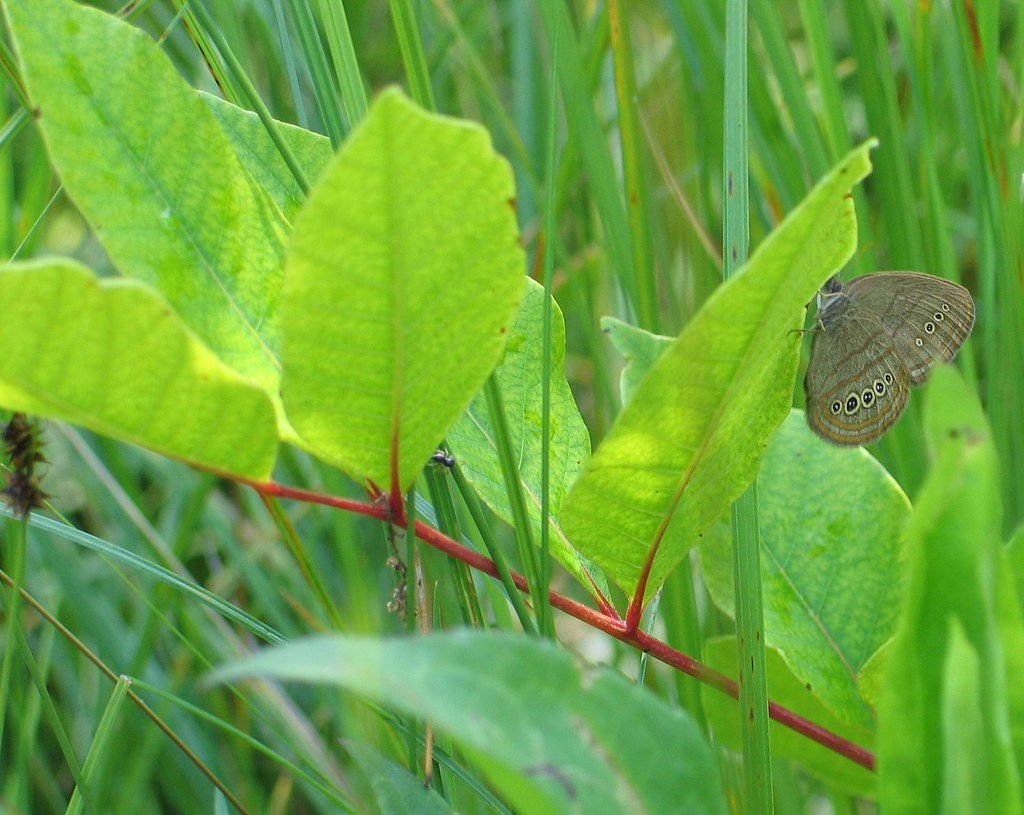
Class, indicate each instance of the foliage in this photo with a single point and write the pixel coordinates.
(258, 335)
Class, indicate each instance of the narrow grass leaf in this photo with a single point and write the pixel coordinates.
(791, 692)
(113, 356)
(690, 440)
(587, 132)
(964, 773)
(404, 275)
(519, 379)
(141, 565)
(97, 769)
(550, 738)
(898, 224)
(348, 76)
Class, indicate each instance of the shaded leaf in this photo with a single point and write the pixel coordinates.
(397, 789)
(638, 347)
(832, 562)
(551, 739)
(519, 377)
(260, 156)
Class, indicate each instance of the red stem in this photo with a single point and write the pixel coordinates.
(607, 620)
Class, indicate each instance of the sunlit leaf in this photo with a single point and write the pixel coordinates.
(403, 278)
(113, 356)
(691, 438)
(158, 182)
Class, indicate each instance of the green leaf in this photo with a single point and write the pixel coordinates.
(870, 679)
(950, 409)
(690, 440)
(404, 275)
(831, 562)
(939, 713)
(638, 347)
(260, 156)
(964, 773)
(519, 378)
(1011, 631)
(550, 738)
(151, 170)
(113, 356)
(398, 790)
(787, 690)
(1015, 556)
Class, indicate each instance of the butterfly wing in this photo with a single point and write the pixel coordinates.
(927, 318)
(856, 384)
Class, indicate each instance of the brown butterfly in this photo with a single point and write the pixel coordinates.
(877, 337)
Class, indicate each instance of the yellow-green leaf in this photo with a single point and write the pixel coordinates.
(403, 278)
(113, 356)
(156, 179)
(691, 437)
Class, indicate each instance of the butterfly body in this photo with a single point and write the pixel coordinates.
(877, 336)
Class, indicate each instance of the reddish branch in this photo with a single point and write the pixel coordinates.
(606, 620)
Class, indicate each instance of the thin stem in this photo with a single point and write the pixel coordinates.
(608, 623)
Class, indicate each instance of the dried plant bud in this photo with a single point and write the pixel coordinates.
(23, 493)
